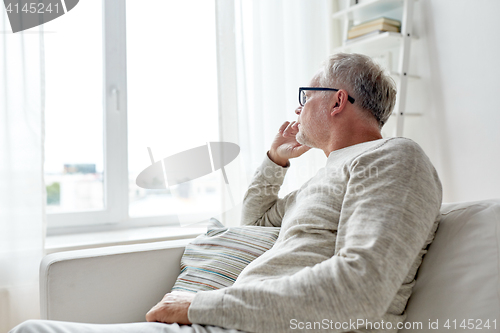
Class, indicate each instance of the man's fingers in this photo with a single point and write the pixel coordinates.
(283, 127)
(173, 308)
(150, 316)
(289, 129)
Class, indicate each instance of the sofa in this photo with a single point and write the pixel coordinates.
(457, 286)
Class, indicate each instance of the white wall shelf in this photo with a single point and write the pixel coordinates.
(382, 40)
(371, 8)
(410, 76)
(354, 13)
(408, 114)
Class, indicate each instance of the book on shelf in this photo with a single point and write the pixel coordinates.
(382, 24)
(365, 36)
(378, 21)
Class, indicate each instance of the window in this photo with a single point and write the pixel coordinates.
(122, 77)
(74, 112)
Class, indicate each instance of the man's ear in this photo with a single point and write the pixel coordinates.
(339, 102)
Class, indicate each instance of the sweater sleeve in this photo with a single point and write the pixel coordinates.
(261, 205)
(386, 218)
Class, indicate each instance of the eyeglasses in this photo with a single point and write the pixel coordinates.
(303, 97)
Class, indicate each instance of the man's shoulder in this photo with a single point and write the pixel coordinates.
(396, 160)
(395, 146)
(393, 151)
(390, 151)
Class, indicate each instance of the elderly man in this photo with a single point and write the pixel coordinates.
(351, 238)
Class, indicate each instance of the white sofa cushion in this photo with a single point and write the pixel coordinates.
(459, 278)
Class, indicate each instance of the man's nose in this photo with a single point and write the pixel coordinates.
(298, 110)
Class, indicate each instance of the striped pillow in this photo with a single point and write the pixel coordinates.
(214, 260)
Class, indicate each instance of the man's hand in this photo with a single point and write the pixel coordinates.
(285, 146)
(173, 308)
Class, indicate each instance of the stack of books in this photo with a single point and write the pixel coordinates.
(374, 26)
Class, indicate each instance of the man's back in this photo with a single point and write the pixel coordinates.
(351, 240)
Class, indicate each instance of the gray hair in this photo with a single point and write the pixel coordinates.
(372, 89)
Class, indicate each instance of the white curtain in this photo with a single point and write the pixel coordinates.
(266, 50)
(21, 173)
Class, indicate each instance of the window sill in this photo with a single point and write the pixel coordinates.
(59, 243)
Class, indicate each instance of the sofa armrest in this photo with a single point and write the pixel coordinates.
(115, 284)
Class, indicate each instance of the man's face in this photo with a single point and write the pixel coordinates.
(312, 118)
